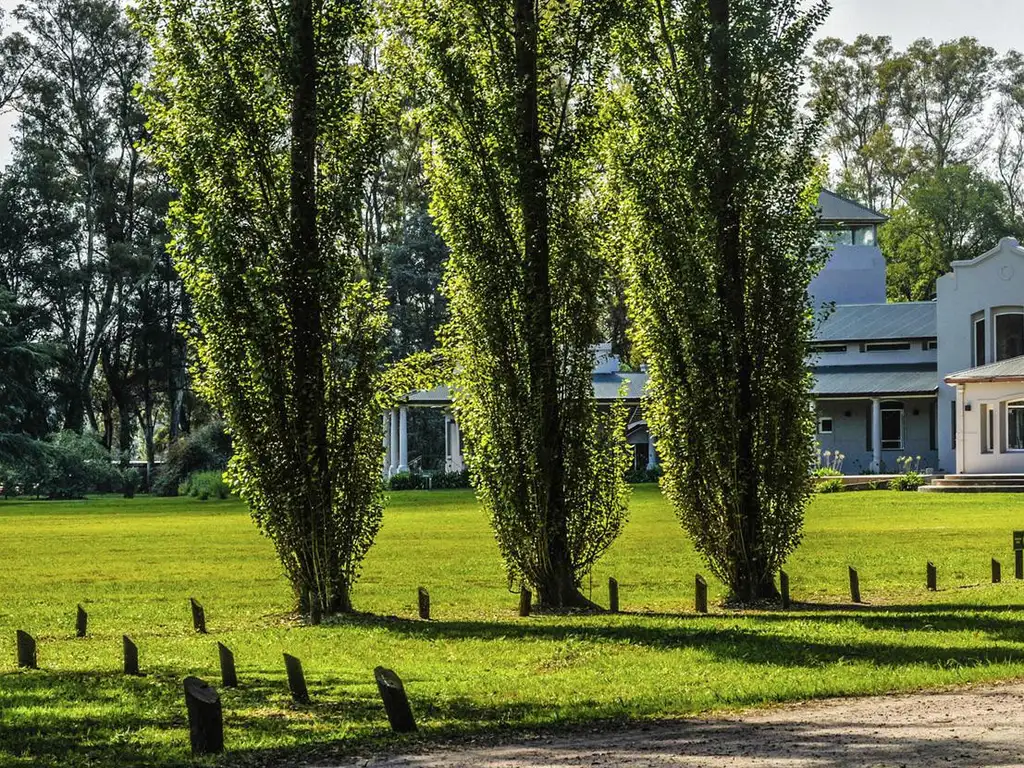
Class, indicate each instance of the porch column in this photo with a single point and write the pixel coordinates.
(456, 442)
(393, 457)
(876, 434)
(403, 439)
(447, 443)
(652, 457)
(386, 469)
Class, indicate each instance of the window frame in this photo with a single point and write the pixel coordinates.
(831, 425)
(886, 346)
(977, 359)
(1014, 405)
(892, 407)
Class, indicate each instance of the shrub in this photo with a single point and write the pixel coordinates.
(830, 485)
(826, 472)
(68, 466)
(450, 480)
(407, 482)
(205, 485)
(130, 482)
(206, 449)
(644, 475)
(908, 481)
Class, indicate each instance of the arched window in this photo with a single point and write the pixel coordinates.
(1009, 335)
(1015, 425)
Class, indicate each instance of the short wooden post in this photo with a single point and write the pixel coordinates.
(854, 585)
(81, 622)
(131, 656)
(525, 602)
(424, 603)
(784, 588)
(932, 578)
(1018, 563)
(396, 703)
(228, 678)
(296, 679)
(26, 651)
(198, 616)
(613, 595)
(701, 596)
(997, 571)
(205, 719)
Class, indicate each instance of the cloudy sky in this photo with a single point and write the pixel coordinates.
(998, 23)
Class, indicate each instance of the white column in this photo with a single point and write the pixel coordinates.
(457, 463)
(447, 443)
(403, 439)
(386, 469)
(393, 466)
(652, 456)
(876, 435)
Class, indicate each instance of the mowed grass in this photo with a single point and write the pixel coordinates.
(477, 666)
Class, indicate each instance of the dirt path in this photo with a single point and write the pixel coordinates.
(981, 726)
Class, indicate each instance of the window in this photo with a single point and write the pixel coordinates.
(864, 236)
(952, 423)
(1009, 335)
(1015, 426)
(830, 238)
(824, 349)
(933, 425)
(886, 346)
(825, 425)
(987, 416)
(979, 341)
(931, 344)
(892, 426)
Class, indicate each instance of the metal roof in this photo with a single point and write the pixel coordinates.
(606, 389)
(836, 209)
(871, 322)
(1011, 369)
(875, 380)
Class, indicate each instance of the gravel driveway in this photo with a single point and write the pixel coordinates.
(965, 727)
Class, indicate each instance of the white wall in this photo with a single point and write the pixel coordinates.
(971, 458)
(994, 279)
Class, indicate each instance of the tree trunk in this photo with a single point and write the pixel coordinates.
(303, 303)
(556, 587)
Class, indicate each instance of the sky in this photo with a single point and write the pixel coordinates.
(997, 23)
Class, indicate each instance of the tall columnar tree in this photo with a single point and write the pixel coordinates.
(715, 168)
(262, 114)
(512, 91)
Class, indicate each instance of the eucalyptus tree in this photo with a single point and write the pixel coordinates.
(511, 92)
(714, 165)
(263, 115)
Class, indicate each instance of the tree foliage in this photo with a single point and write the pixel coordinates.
(511, 93)
(713, 164)
(263, 116)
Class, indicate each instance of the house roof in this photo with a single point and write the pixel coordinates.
(875, 380)
(871, 322)
(836, 209)
(1005, 370)
(606, 389)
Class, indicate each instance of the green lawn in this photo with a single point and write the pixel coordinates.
(477, 666)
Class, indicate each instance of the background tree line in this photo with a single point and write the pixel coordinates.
(934, 137)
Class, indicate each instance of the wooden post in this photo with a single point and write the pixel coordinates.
(854, 585)
(131, 656)
(228, 678)
(198, 616)
(997, 571)
(701, 597)
(81, 622)
(525, 602)
(784, 588)
(613, 595)
(932, 578)
(1018, 563)
(205, 719)
(296, 679)
(424, 601)
(26, 651)
(396, 703)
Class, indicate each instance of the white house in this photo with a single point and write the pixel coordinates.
(941, 381)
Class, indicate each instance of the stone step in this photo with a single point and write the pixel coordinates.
(971, 489)
(963, 482)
